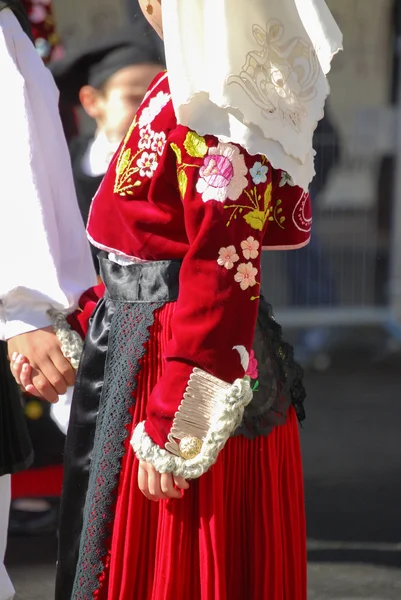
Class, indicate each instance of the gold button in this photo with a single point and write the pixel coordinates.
(190, 447)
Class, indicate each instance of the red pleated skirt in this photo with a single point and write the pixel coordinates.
(238, 533)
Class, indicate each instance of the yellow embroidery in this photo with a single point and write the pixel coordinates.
(258, 212)
(195, 145)
(126, 168)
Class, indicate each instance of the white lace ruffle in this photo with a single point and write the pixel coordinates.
(71, 342)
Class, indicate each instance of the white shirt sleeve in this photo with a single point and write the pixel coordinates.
(44, 253)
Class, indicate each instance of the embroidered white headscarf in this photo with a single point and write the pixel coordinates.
(252, 72)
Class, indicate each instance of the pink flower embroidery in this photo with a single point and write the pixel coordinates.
(222, 175)
(246, 275)
(38, 14)
(147, 164)
(158, 143)
(250, 248)
(227, 257)
(146, 137)
(252, 370)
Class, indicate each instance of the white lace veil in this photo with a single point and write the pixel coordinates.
(252, 72)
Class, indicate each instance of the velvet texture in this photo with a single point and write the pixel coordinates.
(239, 532)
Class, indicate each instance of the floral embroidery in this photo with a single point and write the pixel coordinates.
(158, 143)
(147, 164)
(250, 365)
(146, 136)
(286, 179)
(227, 257)
(223, 174)
(258, 211)
(252, 371)
(279, 74)
(154, 108)
(246, 275)
(250, 248)
(144, 163)
(259, 173)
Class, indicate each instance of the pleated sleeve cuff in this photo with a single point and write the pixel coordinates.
(208, 415)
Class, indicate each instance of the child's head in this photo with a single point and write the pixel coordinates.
(110, 80)
(113, 103)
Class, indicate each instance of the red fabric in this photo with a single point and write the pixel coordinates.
(38, 483)
(171, 194)
(79, 320)
(239, 532)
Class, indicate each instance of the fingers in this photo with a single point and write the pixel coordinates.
(159, 486)
(23, 374)
(44, 387)
(181, 483)
(26, 380)
(63, 366)
(50, 377)
(16, 364)
(167, 486)
(143, 480)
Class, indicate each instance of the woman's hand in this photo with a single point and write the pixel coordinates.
(159, 486)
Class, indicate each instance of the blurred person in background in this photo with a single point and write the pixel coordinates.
(108, 80)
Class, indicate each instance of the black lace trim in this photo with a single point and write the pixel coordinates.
(129, 334)
(280, 379)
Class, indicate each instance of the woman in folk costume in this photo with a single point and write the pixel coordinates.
(186, 393)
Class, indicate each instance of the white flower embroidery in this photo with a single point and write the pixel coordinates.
(246, 275)
(158, 143)
(227, 257)
(286, 179)
(244, 356)
(250, 248)
(146, 137)
(223, 174)
(154, 108)
(147, 164)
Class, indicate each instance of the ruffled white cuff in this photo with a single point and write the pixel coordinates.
(209, 413)
(70, 340)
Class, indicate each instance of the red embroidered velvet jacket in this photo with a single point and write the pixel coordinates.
(172, 194)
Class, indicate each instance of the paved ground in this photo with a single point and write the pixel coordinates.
(352, 456)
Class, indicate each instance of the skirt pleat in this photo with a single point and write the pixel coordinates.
(238, 533)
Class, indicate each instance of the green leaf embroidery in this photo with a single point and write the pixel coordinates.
(178, 153)
(123, 162)
(182, 183)
(256, 219)
(282, 219)
(268, 196)
(195, 145)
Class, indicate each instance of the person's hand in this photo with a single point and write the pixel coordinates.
(159, 486)
(42, 370)
(22, 371)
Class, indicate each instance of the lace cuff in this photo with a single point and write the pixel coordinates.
(70, 340)
(209, 413)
